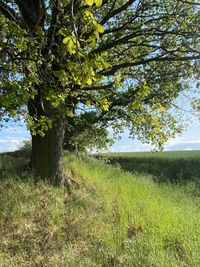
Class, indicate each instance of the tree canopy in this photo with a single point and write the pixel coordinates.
(120, 63)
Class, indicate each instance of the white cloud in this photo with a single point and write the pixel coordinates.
(132, 146)
(188, 149)
(10, 144)
(12, 136)
(190, 140)
(183, 141)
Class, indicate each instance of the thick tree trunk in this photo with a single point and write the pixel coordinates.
(46, 154)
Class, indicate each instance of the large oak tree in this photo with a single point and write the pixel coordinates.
(117, 63)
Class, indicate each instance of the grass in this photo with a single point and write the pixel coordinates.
(176, 166)
(113, 218)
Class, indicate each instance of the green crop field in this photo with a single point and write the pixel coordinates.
(138, 209)
(176, 166)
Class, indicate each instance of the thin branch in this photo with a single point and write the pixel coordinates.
(114, 12)
(190, 2)
(8, 12)
(115, 68)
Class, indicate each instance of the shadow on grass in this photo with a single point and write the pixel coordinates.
(174, 170)
(15, 165)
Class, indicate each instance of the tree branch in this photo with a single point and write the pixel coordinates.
(114, 12)
(8, 12)
(115, 68)
(32, 12)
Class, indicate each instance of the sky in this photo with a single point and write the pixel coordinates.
(188, 140)
(13, 134)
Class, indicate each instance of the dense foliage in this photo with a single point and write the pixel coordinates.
(113, 62)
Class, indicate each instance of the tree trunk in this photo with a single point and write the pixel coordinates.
(46, 154)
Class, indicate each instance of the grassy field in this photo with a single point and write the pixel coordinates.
(120, 215)
(176, 166)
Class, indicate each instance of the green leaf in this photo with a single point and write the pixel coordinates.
(19, 42)
(88, 103)
(89, 81)
(105, 64)
(59, 73)
(92, 40)
(99, 28)
(89, 2)
(88, 14)
(70, 44)
(63, 31)
(98, 2)
(66, 40)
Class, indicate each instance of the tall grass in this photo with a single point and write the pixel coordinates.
(176, 166)
(113, 218)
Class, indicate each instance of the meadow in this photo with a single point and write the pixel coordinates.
(174, 166)
(127, 209)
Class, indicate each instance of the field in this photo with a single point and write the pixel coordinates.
(175, 167)
(137, 209)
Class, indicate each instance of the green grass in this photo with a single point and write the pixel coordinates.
(176, 167)
(113, 218)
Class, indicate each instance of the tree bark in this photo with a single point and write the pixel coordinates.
(46, 154)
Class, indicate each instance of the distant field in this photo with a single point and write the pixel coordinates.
(113, 218)
(177, 166)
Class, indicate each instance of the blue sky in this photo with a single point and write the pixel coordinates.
(188, 140)
(12, 136)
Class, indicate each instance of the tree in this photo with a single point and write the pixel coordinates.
(87, 132)
(121, 62)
